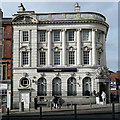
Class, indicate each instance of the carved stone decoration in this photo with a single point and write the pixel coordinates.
(86, 48)
(102, 72)
(24, 19)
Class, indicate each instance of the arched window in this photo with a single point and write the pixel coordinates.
(87, 86)
(71, 87)
(56, 86)
(42, 87)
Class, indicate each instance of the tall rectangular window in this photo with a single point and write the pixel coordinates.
(42, 58)
(42, 36)
(24, 58)
(25, 36)
(71, 36)
(56, 58)
(56, 36)
(4, 72)
(85, 35)
(71, 57)
(1, 34)
(86, 57)
(99, 58)
(0, 51)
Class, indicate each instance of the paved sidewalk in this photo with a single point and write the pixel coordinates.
(81, 109)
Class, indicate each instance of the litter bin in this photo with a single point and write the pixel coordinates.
(3, 108)
(21, 106)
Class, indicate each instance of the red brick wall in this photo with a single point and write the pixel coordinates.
(8, 32)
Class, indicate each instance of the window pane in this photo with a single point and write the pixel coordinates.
(71, 57)
(0, 51)
(25, 58)
(25, 35)
(1, 34)
(42, 36)
(85, 35)
(71, 36)
(4, 72)
(56, 58)
(86, 57)
(56, 36)
(42, 58)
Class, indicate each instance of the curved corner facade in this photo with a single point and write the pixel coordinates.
(61, 54)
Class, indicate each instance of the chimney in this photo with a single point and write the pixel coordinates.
(77, 8)
(1, 14)
(21, 8)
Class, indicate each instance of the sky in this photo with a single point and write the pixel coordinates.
(108, 9)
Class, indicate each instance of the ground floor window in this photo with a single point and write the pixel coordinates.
(71, 86)
(87, 86)
(42, 87)
(56, 86)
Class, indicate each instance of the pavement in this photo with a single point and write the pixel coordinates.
(65, 110)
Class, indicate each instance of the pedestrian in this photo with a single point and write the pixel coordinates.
(55, 100)
(35, 102)
(103, 95)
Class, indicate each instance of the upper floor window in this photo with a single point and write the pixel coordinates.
(56, 36)
(85, 35)
(42, 36)
(99, 58)
(1, 34)
(3, 72)
(42, 58)
(71, 57)
(71, 36)
(25, 36)
(0, 51)
(24, 58)
(56, 58)
(99, 35)
(86, 57)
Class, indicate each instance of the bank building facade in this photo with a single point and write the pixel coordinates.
(61, 54)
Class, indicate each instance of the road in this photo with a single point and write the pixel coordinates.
(65, 117)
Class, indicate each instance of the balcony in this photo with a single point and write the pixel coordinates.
(71, 16)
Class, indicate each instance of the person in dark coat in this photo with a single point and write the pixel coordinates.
(35, 102)
(55, 100)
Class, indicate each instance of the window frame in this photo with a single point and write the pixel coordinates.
(43, 59)
(26, 36)
(73, 37)
(56, 37)
(1, 52)
(2, 33)
(41, 40)
(86, 58)
(71, 59)
(84, 37)
(58, 62)
(27, 58)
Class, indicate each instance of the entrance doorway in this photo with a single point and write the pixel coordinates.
(26, 98)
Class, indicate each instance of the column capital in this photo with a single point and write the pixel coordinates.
(49, 30)
(94, 29)
(79, 29)
(64, 29)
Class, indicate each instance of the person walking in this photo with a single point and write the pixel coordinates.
(35, 102)
(55, 100)
(103, 95)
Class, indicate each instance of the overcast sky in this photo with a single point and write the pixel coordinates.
(108, 9)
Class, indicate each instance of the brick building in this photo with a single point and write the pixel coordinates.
(115, 83)
(5, 59)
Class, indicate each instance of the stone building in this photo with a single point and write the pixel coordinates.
(5, 59)
(61, 54)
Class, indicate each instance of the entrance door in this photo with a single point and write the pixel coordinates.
(25, 97)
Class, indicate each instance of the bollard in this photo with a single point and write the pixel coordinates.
(40, 112)
(113, 110)
(75, 111)
(7, 113)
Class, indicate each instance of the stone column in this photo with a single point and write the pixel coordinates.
(104, 49)
(79, 60)
(49, 47)
(93, 47)
(64, 47)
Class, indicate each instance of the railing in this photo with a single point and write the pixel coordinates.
(71, 16)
